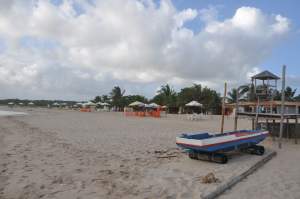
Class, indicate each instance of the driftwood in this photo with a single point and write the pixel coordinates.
(168, 156)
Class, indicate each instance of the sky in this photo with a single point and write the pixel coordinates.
(77, 49)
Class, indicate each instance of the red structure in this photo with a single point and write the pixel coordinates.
(143, 113)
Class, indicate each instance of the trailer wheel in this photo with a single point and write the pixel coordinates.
(259, 150)
(200, 156)
(193, 155)
(219, 158)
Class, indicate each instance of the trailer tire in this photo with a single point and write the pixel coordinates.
(259, 150)
(193, 155)
(219, 158)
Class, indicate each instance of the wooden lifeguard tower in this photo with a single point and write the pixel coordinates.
(265, 86)
(260, 106)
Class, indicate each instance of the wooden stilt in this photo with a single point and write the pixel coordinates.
(223, 108)
(296, 130)
(273, 131)
(236, 110)
(282, 106)
(252, 123)
(287, 129)
(256, 115)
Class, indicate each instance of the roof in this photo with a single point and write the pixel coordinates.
(193, 103)
(265, 75)
(154, 105)
(137, 103)
(90, 103)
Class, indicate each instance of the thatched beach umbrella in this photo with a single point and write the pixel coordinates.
(64, 104)
(105, 104)
(56, 104)
(148, 106)
(11, 104)
(194, 104)
(102, 104)
(137, 104)
(89, 104)
(30, 104)
(79, 104)
(154, 105)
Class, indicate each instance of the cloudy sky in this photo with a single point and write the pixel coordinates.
(76, 49)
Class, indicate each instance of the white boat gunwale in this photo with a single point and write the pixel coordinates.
(217, 140)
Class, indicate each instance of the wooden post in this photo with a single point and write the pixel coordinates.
(296, 130)
(257, 112)
(223, 108)
(273, 132)
(282, 105)
(236, 109)
(287, 129)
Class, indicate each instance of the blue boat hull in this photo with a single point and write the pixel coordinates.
(227, 146)
(239, 143)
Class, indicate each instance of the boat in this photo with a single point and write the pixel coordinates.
(210, 146)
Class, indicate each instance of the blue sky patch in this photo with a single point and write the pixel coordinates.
(34, 42)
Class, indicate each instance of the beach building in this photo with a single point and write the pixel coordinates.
(264, 107)
(265, 112)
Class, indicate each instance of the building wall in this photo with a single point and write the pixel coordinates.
(288, 109)
(289, 130)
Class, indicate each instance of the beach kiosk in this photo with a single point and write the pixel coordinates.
(194, 107)
(141, 109)
(87, 107)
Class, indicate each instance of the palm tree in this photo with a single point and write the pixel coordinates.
(97, 99)
(232, 95)
(168, 95)
(166, 90)
(116, 95)
(197, 88)
(297, 98)
(289, 93)
(105, 98)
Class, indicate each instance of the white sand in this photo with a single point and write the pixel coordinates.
(69, 154)
(11, 113)
(279, 178)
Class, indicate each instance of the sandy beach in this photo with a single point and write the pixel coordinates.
(279, 178)
(53, 153)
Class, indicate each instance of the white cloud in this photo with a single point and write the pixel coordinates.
(209, 14)
(184, 16)
(254, 71)
(136, 44)
(282, 24)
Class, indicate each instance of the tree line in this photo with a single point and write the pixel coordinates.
(36, 102)
(166, 95)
